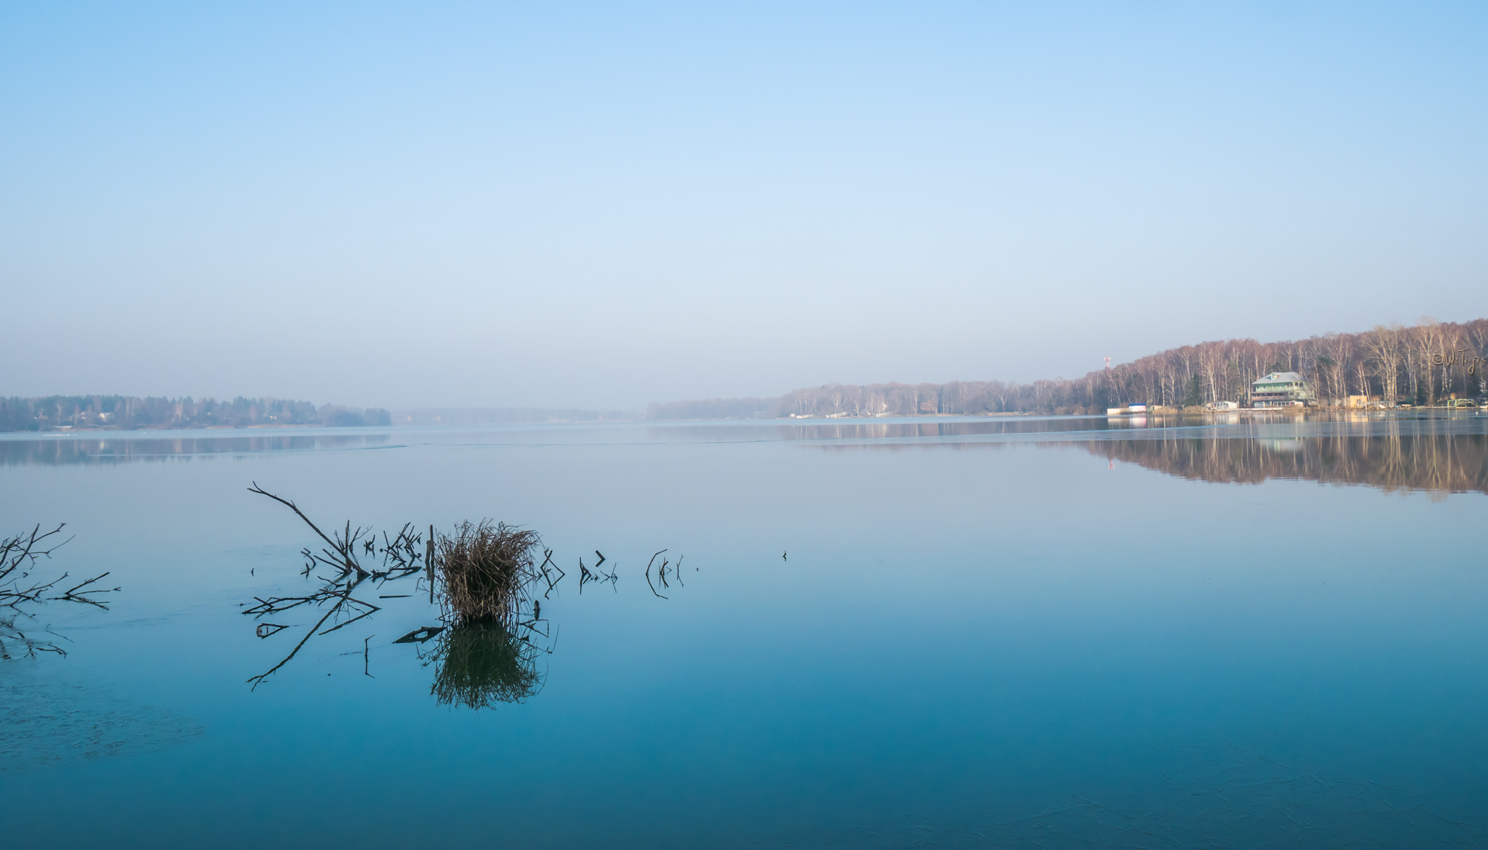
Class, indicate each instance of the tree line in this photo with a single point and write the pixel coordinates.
(129, 412)
(1421, 364)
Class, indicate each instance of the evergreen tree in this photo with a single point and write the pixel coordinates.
(1195, 395)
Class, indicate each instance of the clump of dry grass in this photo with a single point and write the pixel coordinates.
(487, 571)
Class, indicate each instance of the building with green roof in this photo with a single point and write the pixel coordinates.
(1280, 389)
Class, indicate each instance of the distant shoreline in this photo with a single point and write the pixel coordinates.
(1292, 412)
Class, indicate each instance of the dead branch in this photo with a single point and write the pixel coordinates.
(19, 553)
(76, 595)
(648, 575)
(343, 548)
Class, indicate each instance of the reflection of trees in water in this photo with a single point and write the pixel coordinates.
(481, 664)
(1390, 461)
(62, 451)
(818, 429)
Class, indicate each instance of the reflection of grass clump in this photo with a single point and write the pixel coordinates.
(481, 664)
(487, 570)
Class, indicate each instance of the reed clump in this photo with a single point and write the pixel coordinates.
(487, 570)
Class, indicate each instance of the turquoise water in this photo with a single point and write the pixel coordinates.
(1023, 633)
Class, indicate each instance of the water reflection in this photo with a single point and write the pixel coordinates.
(871, 430)
(54, 451)
(333, 594)
(1073, 428)
(1433, 462)
(482, 664)
(116, 447)
(1432, 452)
(1391, 461)
(23, 585)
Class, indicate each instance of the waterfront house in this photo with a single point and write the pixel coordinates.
(1280, 389)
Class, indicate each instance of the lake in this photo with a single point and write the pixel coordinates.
(995, 632)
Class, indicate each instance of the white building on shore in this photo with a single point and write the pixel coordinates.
(1280, 389)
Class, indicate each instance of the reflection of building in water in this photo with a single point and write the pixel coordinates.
(1391, 461)
(1280, 389)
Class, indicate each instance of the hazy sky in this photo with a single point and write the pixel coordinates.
(574, 205)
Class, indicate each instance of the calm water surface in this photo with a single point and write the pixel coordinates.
(1007, 633)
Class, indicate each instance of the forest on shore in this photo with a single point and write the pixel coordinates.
(1420, 365)
(117, 412)
(1395, 364)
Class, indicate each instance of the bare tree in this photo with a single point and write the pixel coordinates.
(1426, 339)
(1385, 351)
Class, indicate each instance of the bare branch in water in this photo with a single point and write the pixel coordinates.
(76, 595)
(344, 548)
(648, 575)
(18, 554)
(547, 576)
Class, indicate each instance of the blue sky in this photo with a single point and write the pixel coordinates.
(596, 205)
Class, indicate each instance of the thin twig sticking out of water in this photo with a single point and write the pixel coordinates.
(547, 575)
(586, 575)
(648, 574)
